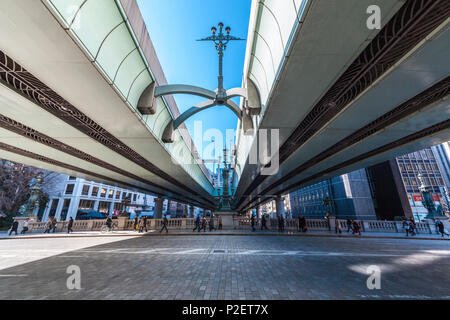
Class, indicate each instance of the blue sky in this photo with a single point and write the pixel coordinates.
(174, 26)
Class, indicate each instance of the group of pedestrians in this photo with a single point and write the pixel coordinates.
(409, 226)
(353, 225)
(202, 223)
(140, 224)
(51, 225)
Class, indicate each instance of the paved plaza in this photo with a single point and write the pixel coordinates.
(224, 267)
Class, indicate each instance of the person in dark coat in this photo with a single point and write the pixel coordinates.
(349, 225)
(356, 228)
(197, 224)
(70, 225)
(220, 222)
(441, 228)
(144, 224)
(108, 222)
(164, 224)
(14, 227)
(204, 223)
(412, 226)
(302, 223)
(54, 224)
(252, 220)
(263, 222)
(211, 223)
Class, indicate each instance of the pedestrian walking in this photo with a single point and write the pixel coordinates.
(70, 225)
(136, 222)
(406, 227)
(412, 226)
(337, 226)
(204, 223)
(263, 222)
(25, 226)
(14, 227)
(197, 224)
(48, 226)
(211, 223)
(252, 221)
(54, 224)
(165, 222)
(302, 223)
(144, 224)
(441, 229)
(349, 224)
(356, 228)
(220, 222)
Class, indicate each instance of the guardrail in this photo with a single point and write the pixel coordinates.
(243, 223)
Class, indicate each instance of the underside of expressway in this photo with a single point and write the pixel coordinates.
(335, 102)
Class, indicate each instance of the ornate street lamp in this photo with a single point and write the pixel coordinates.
(220, 41)
(327, 203)
(252, 100)
(27, 209)
(427, 201)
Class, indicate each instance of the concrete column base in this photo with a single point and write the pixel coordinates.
(227, 219)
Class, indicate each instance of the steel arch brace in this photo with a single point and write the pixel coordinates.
(167, 136)
(184, 89)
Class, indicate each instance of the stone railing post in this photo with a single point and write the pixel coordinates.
(332, 222)
(183, 223)
(122, 222)
(365, 226)
(90, 225)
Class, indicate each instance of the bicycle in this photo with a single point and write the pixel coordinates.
(114, 227)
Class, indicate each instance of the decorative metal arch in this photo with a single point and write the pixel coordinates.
(252, 105)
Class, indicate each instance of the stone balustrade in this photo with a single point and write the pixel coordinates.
(243, 223)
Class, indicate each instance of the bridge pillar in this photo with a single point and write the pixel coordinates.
(191, 211)
(279, 204)
(258, 212)
(158, 208)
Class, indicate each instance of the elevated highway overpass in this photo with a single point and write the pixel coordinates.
(71, 76)
(342, 96)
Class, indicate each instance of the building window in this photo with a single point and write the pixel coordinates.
(53, 208)
(86, 204)
(134, 197)
(110, 193)
(65, 209)
(117, 194)
(103, 206)
(94, 191)
(103, 193)
(72, 178)
(69, 188)
(85, 190)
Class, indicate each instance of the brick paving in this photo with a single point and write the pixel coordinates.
(234, 267)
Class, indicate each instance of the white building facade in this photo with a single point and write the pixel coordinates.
(68, 195)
